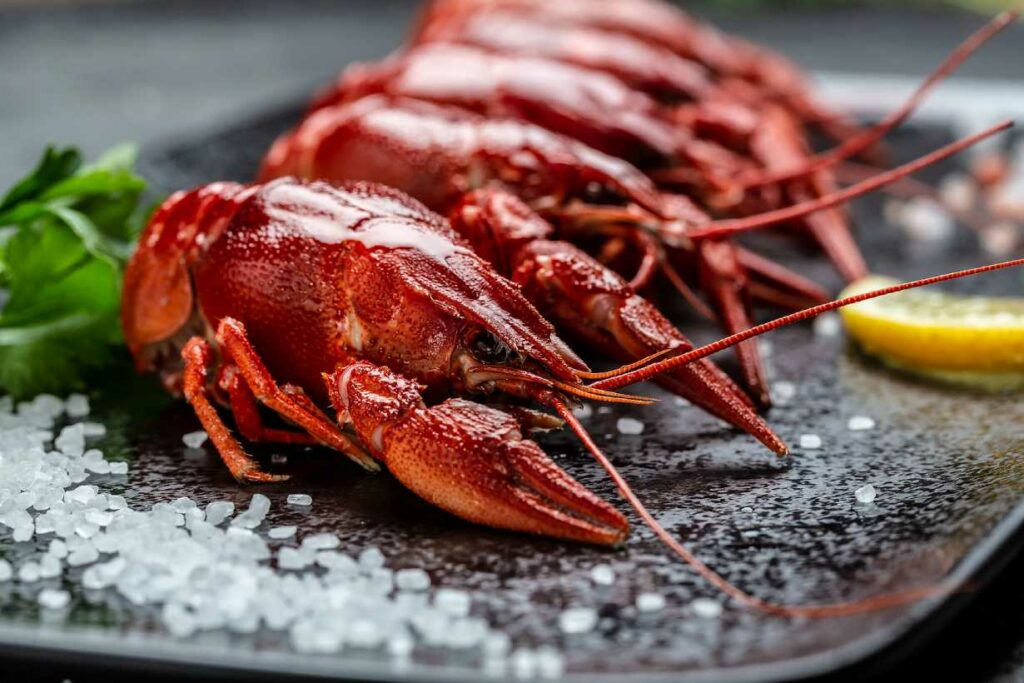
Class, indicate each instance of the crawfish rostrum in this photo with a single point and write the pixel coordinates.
(395, 286)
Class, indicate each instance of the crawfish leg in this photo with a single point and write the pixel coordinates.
(235, 345)
(196, 355)
(245, 410)
(727, 284)
(596, 304)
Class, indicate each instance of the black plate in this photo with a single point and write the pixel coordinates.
(946, 465)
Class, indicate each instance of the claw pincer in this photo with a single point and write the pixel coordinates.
(469, 459)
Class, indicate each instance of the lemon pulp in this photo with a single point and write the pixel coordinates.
(969, 341)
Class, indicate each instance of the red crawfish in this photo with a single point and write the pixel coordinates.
(437, 154)
(746, 71)
(307, 297)
(603, 112)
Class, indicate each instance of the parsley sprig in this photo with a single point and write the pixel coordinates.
(66, 231)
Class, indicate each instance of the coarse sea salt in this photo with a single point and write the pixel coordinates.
(629, 426)
(866, 494)
(194, 439)
(602, 575)
(299, 499)
(576, 620)
(810, 441)
(706, 608)
(860, 423)
(650, 602)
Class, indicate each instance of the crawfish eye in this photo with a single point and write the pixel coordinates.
(489, 349)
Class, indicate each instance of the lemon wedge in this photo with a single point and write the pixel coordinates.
(967, 341)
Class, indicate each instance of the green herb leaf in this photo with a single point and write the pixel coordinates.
(66, 231)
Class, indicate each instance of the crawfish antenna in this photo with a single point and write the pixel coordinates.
(731, 226)
(837, 609)
(867, 138)
(658, 367)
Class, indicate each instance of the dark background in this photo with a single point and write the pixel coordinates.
(97, 74)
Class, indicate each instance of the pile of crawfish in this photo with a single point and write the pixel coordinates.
(523, 170)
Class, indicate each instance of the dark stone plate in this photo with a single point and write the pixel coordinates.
(946, 464)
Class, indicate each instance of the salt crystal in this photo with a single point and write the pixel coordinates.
(583, 411)
(577, 620)
(83, 555)
(524, 663)
(324, 541)
(400, 645)
(28, 572)
(6, 571)
(650, 602)
(23, 533)
(452, 602)
(550, 662)
(218, 511)
(259, 506)
(926, 220)
(810, 441)
(827, 325)
(602, 575)
(49, 567)
(859, 423)
(119, 467)
(958, 192)
(783, 392)
(682, 402)
(99, 518)
(496, 644)
(279, 532)
(412, 580)
(629, 426)
(53, 599)
(706, 608)
(76, 406)
(465, 633)
(115, 502)
(195, 439)
(866, 494)
(93, 430)
(290, 558)
(300, 499)
(58, 549)
(371, 558)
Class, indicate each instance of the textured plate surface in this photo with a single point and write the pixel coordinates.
(947, 466)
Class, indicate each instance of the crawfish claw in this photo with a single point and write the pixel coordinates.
(470, 459)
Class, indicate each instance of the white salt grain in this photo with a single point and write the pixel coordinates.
(28, 572)
(629, 426)
(77, 406)
(827, 325)
(866, 494)
(218, 511)
(860, 423)
(783, 392)
(195, 439)
(452, 602)
(650, 602)
(371, 558)
(300, 499)
(602, 575)
(810, 441)
(53, 599)
(412, 580)
(6, 571)
(706, 608)
(279, 532)
(576, 620)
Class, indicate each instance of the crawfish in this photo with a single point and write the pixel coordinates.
(740, 69)
(437, 154)
(602, 112)
(364, 302)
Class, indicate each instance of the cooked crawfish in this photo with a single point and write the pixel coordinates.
(437, 154)
(300, 297)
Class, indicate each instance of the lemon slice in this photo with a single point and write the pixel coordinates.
(967, 341)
